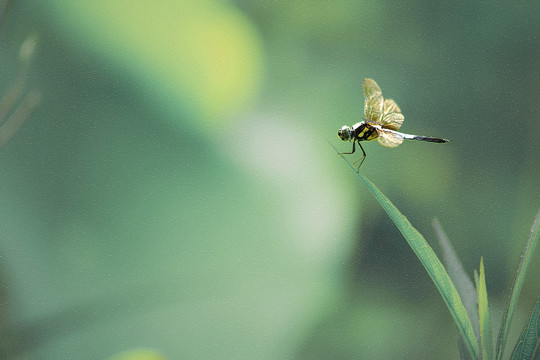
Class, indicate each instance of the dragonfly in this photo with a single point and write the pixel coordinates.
(382, 119)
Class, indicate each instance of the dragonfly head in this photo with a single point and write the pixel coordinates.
(345, 133)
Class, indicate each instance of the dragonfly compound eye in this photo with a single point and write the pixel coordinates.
(344, 133)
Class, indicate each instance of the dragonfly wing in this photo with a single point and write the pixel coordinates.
(371, 88)
(389, 139)
(373, 109)
(392, 117)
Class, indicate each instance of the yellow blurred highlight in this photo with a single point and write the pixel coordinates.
(203, 54)
(138, 354)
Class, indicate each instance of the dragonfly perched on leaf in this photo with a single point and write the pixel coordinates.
(382, 119)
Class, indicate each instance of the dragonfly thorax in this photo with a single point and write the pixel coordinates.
(363, 131)
(359, 131)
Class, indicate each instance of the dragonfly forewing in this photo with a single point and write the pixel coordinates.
(373, 109)
(371, 88)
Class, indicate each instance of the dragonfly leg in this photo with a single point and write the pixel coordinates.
(361, 160)
(352, 152)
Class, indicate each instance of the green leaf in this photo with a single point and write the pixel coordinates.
(463, 283)
(528, 346)
(519, 278)
(483, 312)
(431, 263)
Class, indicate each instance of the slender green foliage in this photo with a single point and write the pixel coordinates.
(431, 263)
(528, 346)
(478, 341)
(463, 283)
(519, 278)
(486, 336)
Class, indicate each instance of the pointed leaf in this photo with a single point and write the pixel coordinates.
(464, 353)
(431, 263)
(463, 283)
(528, 346)
(519, 278)
(486, 336)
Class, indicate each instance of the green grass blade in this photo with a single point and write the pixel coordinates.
(528, 346)
(519, 278)
(463, 283)
(433, 266)
(486, 336)
(431, 263)
(462, 348)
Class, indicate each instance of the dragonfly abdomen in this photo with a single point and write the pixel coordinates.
(427, 138)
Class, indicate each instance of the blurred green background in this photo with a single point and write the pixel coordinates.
(174, 190)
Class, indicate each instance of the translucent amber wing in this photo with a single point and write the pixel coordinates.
(373, 109)
(390, 106)
(371, 88)
(389, 139)
(392, 117)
